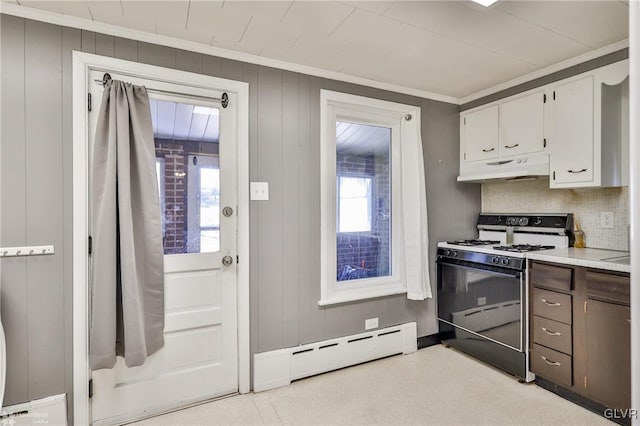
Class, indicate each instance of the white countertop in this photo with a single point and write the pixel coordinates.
(588, 257)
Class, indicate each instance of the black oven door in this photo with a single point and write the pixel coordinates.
(482, 300)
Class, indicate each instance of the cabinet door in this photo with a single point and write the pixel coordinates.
(608, 354)
(522, 125)
(571, 158)
(480, 134)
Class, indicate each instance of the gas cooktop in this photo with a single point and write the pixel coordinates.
(469, 243)
(522, 248)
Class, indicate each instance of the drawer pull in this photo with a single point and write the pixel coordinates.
(554, 363)
(488, 150)
(577, 171)
(512, 146)
(551, 333)
(546, 302)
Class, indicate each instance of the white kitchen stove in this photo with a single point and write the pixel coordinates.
(482, 286)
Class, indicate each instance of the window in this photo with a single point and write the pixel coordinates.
(187, 165)
(354, 204)
(361, 198)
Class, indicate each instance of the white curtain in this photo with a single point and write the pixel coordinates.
(127, 293)
(415, 231)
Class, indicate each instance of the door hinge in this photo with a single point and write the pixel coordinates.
(90, 244)
(90, 388)
(585, 306)
(586, 381)
(89, 102)
(544, 142)
(554, 95)
(544, 98)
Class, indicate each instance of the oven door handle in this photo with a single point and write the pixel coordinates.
(514, 274)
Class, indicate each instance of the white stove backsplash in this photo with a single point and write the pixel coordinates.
(534, 196)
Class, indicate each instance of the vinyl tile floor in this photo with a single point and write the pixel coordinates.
(433, 386)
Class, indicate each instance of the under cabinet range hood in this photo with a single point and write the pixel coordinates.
(505, 168)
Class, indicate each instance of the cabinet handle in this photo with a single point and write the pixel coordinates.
(554, 363)
(512, 146)
(546, 302)
(551, 333)
(488, 150)
(577, 171)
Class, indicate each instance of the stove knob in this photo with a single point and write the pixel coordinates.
(495, 259)
(454, 253)
(504, 261)
(538, 221)
(523, 221)
(447, 252)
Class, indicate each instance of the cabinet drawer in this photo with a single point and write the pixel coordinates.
(551, 365)
(551, 305)
(552, 334)
(609, 287)
(551, 276)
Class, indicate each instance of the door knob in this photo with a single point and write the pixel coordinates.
(227, 260)
(227, 211)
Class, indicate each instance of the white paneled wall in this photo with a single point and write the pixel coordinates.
(534, 196)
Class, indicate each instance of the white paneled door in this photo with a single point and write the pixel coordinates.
(198, 197)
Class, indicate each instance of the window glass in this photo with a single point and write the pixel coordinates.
(363, 199)
(187, 164)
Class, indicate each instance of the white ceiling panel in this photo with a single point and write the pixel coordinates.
(377, 7)
(453, 48)
(73, 8)
(182, 124)
(198, 126)
(360, 30)
(227, 26)
(316, 17)
(608, 19)
(270, 12)
(212, 132)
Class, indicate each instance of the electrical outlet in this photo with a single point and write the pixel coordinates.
(370, 323)
(482, 301)
(606, 220)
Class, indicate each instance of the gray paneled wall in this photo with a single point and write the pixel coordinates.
(36, 156)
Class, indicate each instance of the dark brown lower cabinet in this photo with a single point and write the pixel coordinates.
(608, 354)
(580, 332)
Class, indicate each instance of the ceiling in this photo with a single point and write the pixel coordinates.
(362, 139)
(453, 48)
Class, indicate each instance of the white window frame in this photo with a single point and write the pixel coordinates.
(369, 200)
(335, 106)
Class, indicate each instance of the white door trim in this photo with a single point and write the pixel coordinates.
(82, 63)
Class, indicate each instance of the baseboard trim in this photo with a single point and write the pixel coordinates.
(580, 400)
(280, 367)
(426, 341)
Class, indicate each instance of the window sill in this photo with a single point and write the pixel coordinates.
(354, 297)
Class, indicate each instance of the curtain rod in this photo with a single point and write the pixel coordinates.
(224, 100)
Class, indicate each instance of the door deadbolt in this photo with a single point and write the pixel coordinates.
(227, 260)
(227, 211)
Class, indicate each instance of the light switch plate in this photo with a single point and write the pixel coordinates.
(259, 191)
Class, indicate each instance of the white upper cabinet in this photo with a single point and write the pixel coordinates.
(589, 143)
(522, 125)
(572, 148)
(479, 134)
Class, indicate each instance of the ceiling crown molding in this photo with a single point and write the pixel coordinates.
(117, 31)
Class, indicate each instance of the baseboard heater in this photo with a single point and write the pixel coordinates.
(49, 411)
(278, 368)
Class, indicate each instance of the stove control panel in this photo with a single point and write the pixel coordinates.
(496, 260)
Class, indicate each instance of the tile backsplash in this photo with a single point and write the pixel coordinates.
(534, 196)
